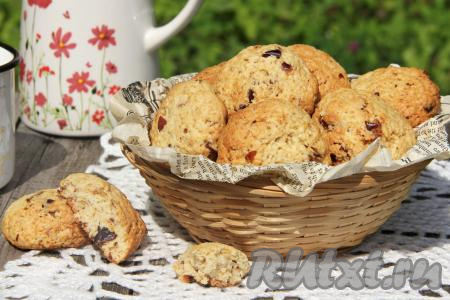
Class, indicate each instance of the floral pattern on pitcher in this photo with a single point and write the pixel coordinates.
(82, 95)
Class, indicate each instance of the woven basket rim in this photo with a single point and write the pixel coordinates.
(261, 181)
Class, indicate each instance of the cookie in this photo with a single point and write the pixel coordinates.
(105, 214)
(265, 72)
(353, 119)
(42, 220)
(329, 73)
(271, 132)
(408, 90)
(210, 74)
(189, 119)
(212, 264)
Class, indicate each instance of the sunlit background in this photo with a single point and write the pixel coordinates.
(361, 34)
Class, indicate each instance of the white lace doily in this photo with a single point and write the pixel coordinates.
(419, 229)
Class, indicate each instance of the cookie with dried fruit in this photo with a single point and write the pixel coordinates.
(265, 72)
(212, 264)
(42, 220)
(351, 120)
(105, 214)
(271, 132)
(189, 119)
(329, 73)
(408, 90)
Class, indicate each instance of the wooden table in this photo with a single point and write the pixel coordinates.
(41, 162)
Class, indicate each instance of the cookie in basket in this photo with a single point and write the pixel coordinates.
(210, 74)
(409, 90)
(265, 72)
(353, 119)
(329, 73)
(212, 264)
(105, 214)
(42, 220)
(271, 132)
(189, 119)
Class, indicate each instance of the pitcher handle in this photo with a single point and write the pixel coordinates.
(156, 36)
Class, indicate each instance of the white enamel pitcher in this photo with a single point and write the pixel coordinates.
(75, 54)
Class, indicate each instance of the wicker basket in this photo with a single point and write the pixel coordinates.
(255, 213)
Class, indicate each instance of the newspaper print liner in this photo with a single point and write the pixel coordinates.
(135, 106)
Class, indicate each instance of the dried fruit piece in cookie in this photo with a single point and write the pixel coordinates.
(408, 90)
(265, 72)
(105, 214)
(329, 73)
(189, 119)
(351, 120)
(212, 264)
(271, 132)
(42, 220)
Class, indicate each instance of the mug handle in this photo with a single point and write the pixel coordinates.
(156, 36)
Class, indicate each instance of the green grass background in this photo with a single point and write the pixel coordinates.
(361, 34)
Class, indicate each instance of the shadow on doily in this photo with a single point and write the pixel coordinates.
(167, 223)
(422, 221)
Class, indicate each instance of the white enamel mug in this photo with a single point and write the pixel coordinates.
(76, 54)
(9, 58)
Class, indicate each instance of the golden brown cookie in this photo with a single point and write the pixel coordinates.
(105, 214)
(329, 73)
(408, 90)
(212, 264)
(189, 119)
(271, 132)
(352, 120)
(265, 72)
(42, 220)
(210, 74)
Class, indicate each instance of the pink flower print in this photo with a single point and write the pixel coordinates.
(45, 71)
(80, 82)
(29, 76)
(25, 15)
(27, 111)
(111, 68)
(98, 116)
(62, 123)
(66, 14)
(22, 67)
(38, 37)
(40, 3)
(61, 43)
(67, 100)
(114, 89)
(88, 64)
(103, 36)
(40, 99)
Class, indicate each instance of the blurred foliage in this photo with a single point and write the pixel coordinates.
(361, 34)
(10, 22)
